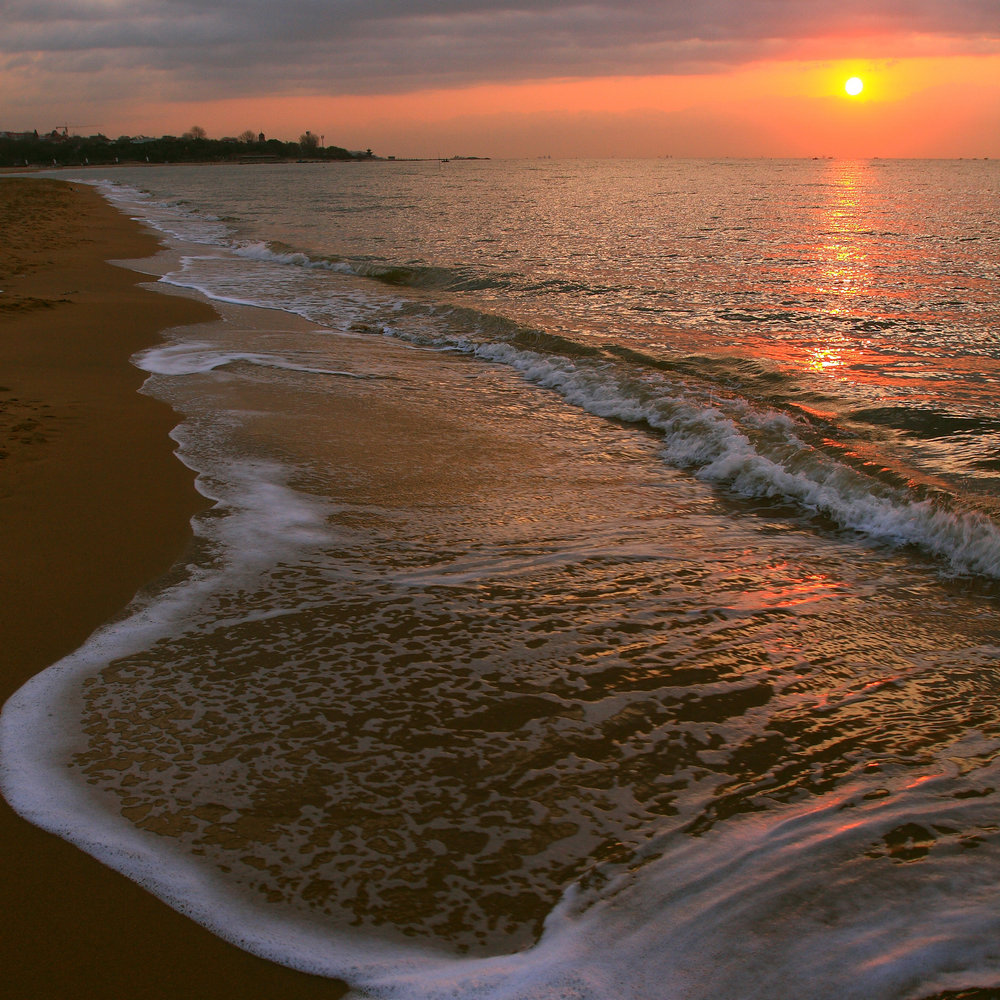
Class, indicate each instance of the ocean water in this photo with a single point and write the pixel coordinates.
(599, 597)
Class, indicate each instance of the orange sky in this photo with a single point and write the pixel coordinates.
(913, 107)
(414, 79)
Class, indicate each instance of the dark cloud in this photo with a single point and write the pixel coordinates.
(358, 46)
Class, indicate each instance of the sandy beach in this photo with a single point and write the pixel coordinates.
(93, 504)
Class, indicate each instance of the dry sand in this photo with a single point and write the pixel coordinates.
(93, 504)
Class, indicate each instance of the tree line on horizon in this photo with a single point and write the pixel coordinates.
(60, 149)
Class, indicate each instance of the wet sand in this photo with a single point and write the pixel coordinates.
(93, 504)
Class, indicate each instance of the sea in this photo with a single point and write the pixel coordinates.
(598, 591)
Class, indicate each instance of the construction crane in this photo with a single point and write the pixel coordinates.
(66, 128)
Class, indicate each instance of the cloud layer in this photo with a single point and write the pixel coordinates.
(181, 49)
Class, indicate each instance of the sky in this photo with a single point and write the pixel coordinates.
(517, 78)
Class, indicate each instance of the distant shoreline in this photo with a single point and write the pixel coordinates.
(56, 149)
(249, 162)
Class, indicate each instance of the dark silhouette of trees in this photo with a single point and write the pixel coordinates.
(59, 150)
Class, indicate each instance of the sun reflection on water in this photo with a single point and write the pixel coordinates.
(845, 268)
(826, 359)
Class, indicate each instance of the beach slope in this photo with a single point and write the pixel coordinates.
(93, 505)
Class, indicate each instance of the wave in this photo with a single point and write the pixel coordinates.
(736, 443)
(737, 423)
(763, 455)
(171, 217)
(275, 254)
(190, 358)
(685, 916)
(451, 279)
(418, 275)
(409, 275)
(926, 423)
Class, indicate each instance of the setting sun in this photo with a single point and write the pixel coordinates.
(854, 86)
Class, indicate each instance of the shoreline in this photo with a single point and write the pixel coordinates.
(93, 505)
(31, 169)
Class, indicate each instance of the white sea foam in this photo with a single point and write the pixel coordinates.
(700, 917)
(190, 358)
(210, 291)
(711, 917)
(171, 218)
(266, 283)
(262, 252)
(759, 455)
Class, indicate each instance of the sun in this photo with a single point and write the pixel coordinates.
(854, 86)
